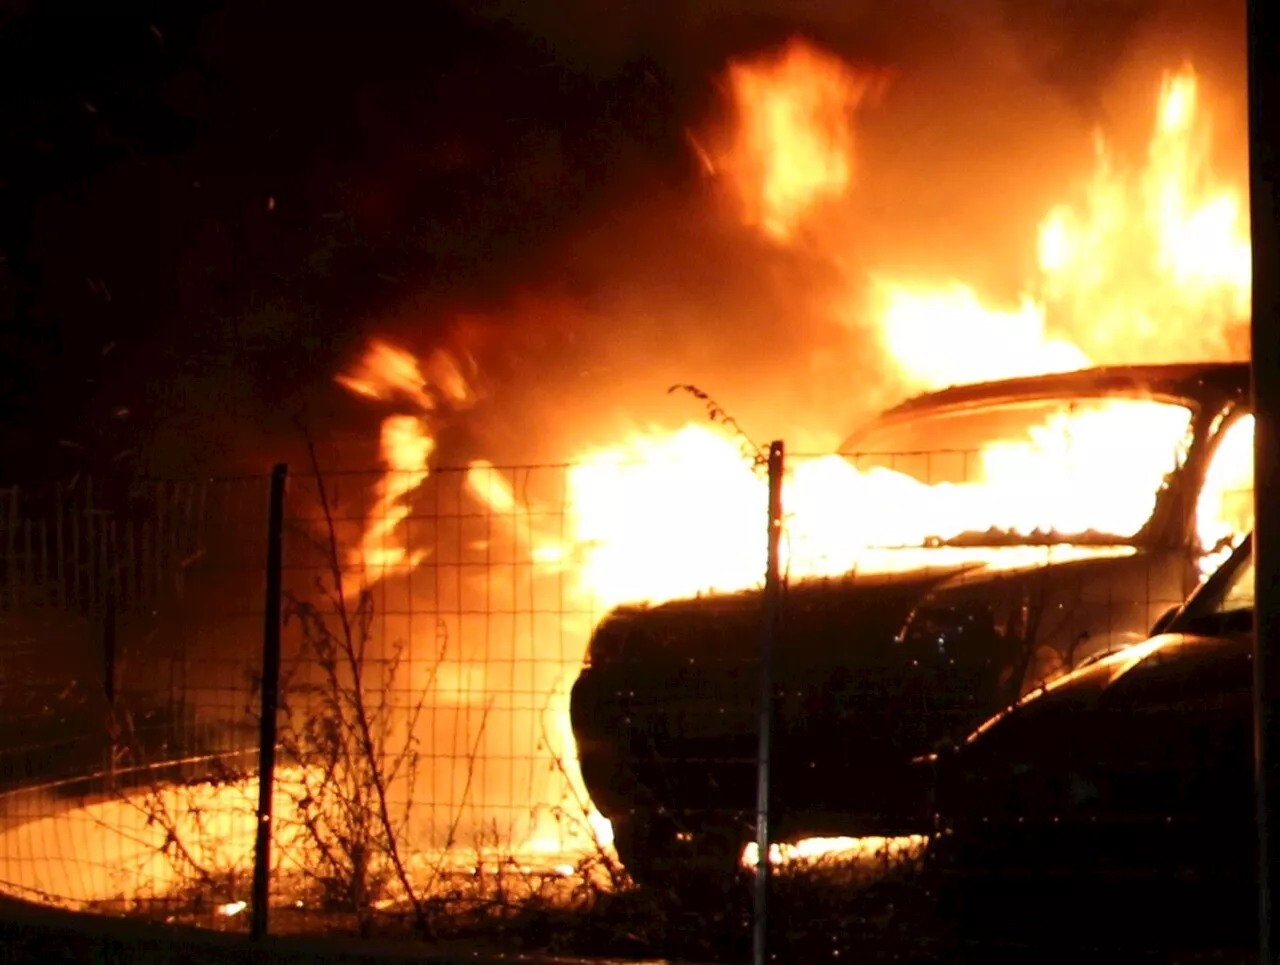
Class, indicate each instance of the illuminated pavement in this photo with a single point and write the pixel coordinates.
(83, 852)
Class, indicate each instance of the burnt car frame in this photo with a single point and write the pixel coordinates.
(871, 671)
(1126, 785)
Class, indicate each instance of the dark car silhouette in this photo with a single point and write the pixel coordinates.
(873, 668)
(1124, 785)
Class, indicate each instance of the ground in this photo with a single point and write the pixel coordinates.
(892, 931)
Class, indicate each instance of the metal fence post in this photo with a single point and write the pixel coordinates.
(270, 701)
(1264, 164)
(768, 627)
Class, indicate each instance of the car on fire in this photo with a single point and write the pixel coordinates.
(1126, 784)
(1041, 521)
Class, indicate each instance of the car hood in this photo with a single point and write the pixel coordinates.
(1115, 679)
(870, 604)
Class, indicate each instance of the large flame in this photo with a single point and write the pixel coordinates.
(1147, 260)
(1152, 262)
(661, 516)
(1155, 257)
(1168, 243)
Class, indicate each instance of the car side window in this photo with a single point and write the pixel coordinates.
(1239, 592)
(1224, 510)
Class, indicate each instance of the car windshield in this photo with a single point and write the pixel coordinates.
(1226, 600)
(1038, 470)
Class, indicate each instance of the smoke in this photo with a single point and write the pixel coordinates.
(1073, 47)
(987, 123)
(526, 166)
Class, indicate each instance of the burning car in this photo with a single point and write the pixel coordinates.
(994, 537)
(1129, 779)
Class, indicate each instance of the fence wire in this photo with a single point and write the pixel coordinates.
(130, 622)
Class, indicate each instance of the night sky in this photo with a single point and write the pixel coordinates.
(202, 203)
(207, 207)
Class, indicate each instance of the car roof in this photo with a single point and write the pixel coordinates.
(1183, 380)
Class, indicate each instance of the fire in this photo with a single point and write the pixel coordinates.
(1148, 262)
(794, 143)
(1225, 510)
(1145, 262)
(1159, 257)
(386, 373)
(406, 449)
(1166, 245)
(631, 504)
(945, 336)
(1155, 262)
(815, 851)
(662, 516)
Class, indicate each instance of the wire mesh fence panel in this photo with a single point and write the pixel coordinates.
(465, 602)
(551, 674)
(433, 634)
(931, 589)
(131, 635)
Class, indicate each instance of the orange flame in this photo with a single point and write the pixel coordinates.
(1225, 510)
(385, 372)
(1149, 262)
(406, 450)
(407, 442)
(1157, 258)
(1156, 263)
(631, 506)
(946, 336)
(794, 143)
(631, 502)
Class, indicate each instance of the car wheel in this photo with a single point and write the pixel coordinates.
(666, 854)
